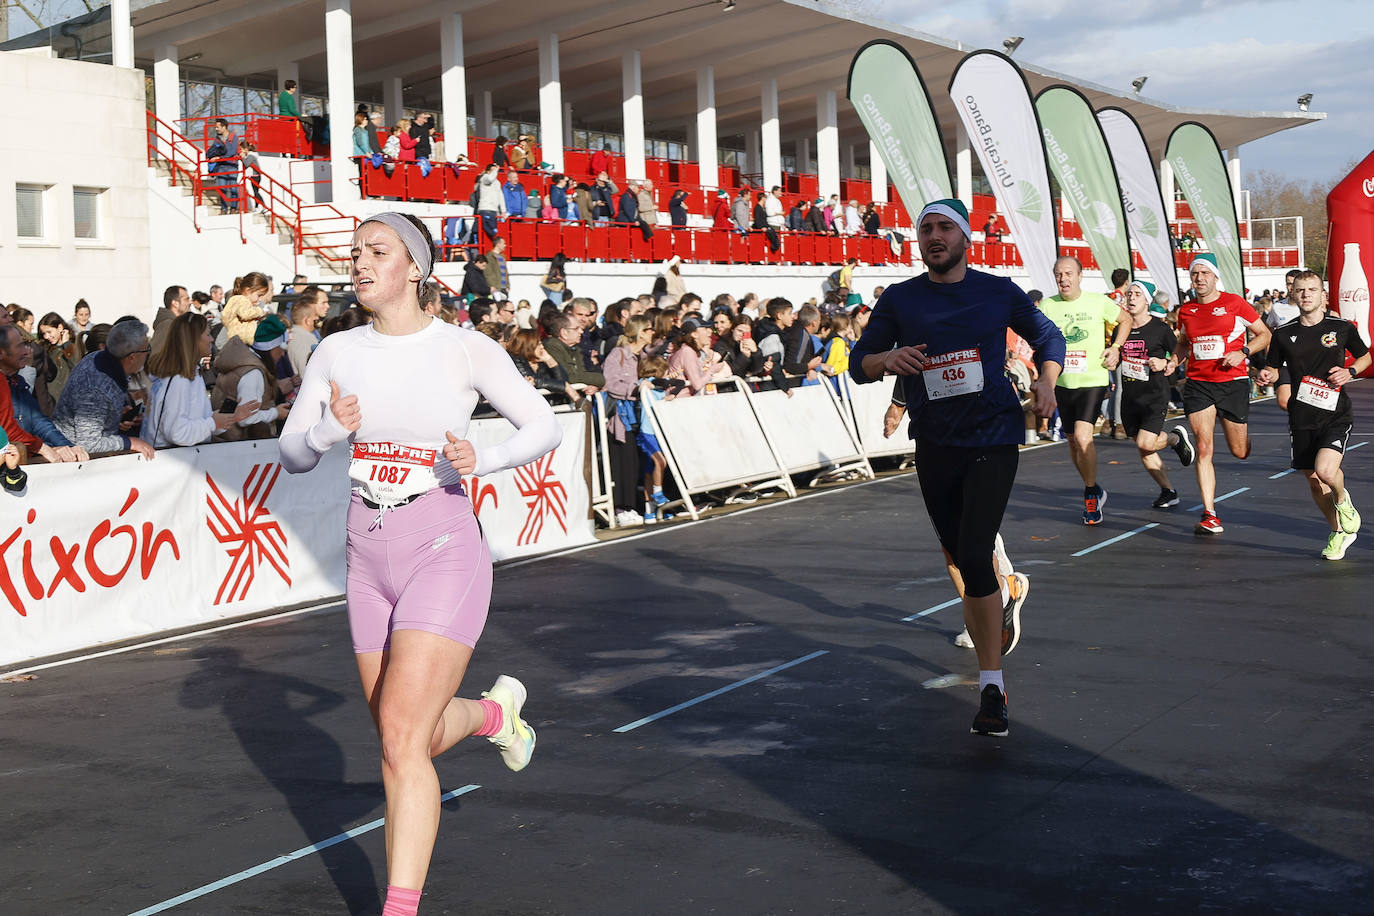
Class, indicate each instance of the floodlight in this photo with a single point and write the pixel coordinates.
(1011, 44)
(1304, 100)
(1139, 83)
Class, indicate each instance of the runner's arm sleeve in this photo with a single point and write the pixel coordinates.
(1035, 329)
(1354, 345)
(536, 428)
(879, 336)
(311, 429)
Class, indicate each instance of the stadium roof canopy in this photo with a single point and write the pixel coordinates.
(805, 44)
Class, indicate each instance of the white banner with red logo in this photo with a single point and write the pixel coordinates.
(122, 547)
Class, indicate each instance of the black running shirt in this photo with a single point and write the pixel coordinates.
(1310, 353)
(1154, 339)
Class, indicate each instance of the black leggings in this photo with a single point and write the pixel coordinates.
(624, 472)
(966, 492)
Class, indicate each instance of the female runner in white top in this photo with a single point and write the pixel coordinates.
(402, 390)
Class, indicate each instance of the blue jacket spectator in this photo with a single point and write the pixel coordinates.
(603, 194)
(514, 194)
(31, 418)
(558, 199)
(629, 206)
(96, 402)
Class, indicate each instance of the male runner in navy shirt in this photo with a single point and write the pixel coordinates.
(945, 333)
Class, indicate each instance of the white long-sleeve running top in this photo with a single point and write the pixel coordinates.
(412, 390)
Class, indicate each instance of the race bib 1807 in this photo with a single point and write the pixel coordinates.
(1210, 347)
(389, 472)
(952, 374)
(1318, 394)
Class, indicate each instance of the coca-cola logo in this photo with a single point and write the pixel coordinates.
(1369, 187)
(1358, 294)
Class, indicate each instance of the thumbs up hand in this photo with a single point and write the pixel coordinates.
(345, 409)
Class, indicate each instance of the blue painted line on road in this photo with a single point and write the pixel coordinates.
(282, 860)
(931, 610)
(1220, 498)
(1280, 474)
(1357, 445)
(715, 693)
(1120, 537)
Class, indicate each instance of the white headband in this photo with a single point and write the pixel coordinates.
(947, 210)
(420, 251)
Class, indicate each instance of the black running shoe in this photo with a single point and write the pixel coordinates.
(992, 714)
(1184, 449)
(1167, 499)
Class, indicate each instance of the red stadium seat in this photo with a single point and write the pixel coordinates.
(598, 243)
(574, 240)
(548, 239)
(520, 238)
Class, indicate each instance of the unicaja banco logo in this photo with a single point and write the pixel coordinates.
(1032, 205)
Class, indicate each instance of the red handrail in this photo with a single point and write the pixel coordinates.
(181, 156)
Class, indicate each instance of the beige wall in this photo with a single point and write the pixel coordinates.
(72, 124)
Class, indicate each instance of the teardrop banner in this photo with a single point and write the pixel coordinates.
(1078, 156)
(994, 101)
(1141, 197)
(1350, 247)
(1193, 153)
(892, 101)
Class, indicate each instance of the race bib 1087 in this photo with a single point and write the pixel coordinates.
(389, 472)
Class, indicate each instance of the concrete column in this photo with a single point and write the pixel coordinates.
(753, 157)
(705, 150)
(1166, 187)
(484, 116)
(827, 144)
(338, 44)
(550, 102)
(121, 35)
(804, 155)
(878, 169)
(453, 85)
(567, 125)
(393, 98)
(691, 129)
(167, 90)
(963, 166)
(772, 139)
(288, 70)
(850, 161)
(632, 91)
(1233, 171)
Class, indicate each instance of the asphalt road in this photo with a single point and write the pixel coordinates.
(1190, 727)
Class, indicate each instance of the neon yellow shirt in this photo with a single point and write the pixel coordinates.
(1086, 323)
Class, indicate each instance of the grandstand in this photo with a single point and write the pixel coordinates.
(694, 96)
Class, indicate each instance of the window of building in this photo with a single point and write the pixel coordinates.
(28, 209)
(86, 212)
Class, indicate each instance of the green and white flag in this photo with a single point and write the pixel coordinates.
(993, 100)
(1141, 197)
(886, 90)
(1078, 156)
(1201, 173)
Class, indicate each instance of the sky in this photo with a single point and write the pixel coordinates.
(1254, 55)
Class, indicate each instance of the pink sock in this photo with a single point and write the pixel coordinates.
(492, 719)
(401, 902)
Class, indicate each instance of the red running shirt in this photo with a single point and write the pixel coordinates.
(1213, 330)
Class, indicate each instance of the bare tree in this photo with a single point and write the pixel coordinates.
(1273, 195)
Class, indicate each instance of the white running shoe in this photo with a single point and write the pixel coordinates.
(516, 739)
(628, 518)
(963, 640)
(999, 553)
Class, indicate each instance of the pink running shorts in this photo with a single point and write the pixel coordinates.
(426, 567)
